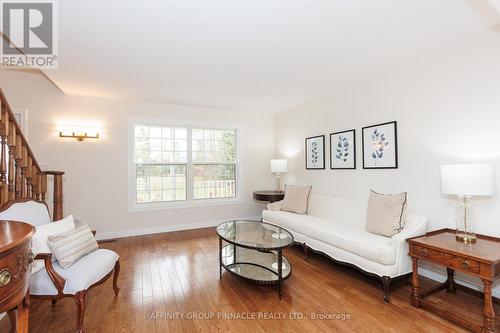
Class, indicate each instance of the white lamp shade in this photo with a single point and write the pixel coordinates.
(278, 165)
(467, 179)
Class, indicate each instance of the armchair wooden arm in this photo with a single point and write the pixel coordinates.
(57, 279)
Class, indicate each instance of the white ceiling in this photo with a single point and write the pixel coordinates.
(248, 54)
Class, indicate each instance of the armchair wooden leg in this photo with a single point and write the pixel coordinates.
(53, 301)
(80, 310)
(115, 278)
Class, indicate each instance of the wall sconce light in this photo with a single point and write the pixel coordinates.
(79, 136)
(79, 132)
(79, 129)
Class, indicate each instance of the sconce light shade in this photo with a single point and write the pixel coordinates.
(278, 165)
(467, 179)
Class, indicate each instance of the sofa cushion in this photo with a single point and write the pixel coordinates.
(351, 238)
(349, 210)
(286, 220)
(81, 275)
(354, 239)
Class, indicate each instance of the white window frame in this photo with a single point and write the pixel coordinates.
(190, 201)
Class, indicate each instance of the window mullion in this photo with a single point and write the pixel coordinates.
(190, 171)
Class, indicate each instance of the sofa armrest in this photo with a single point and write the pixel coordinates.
(275, 205)
(416, 225)
(57, 279)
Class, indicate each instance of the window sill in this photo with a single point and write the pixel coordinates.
(183, 204)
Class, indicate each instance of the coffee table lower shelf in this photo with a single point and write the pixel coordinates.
(255, 266)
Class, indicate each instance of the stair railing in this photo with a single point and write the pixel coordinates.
(20, 173)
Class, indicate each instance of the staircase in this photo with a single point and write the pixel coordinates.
(20, 175)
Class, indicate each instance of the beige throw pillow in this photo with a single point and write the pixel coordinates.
(68, 247)
(386, 213)
(296, 198)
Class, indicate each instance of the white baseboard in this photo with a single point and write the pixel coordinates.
(165, 228)
(440, 277)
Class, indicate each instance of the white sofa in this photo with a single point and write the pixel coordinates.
(336, 227)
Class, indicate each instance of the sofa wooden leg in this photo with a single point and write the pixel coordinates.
(386, 282)
(53, 301)
(80, 310)
(304, 248)
(115, 278)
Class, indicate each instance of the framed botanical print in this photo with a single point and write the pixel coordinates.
(343, 150)
(315, 152)
(380, 146)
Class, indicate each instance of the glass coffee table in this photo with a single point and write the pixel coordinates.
(254, 251)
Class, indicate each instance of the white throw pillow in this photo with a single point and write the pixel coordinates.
(68, 247)
(40, 239)
(386, 213)
(296, 198)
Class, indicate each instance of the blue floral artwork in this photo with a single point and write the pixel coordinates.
(343, 150)
(315, 152)
(379, 144)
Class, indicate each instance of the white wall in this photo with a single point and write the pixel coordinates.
(96, 180)
(448, 111)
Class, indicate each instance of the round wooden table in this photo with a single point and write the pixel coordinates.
(270, 196)
(15, 270)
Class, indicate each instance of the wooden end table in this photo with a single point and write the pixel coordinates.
(481, 260)
(15, 272)
(270, 196)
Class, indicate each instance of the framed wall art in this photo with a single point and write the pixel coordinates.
(380, 146)
(315, 152)
(343, 150)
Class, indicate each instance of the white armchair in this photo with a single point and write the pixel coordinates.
(54, 282)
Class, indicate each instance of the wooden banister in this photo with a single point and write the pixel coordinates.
(58, 194)
(20, 173)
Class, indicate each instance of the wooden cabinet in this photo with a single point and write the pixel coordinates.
(15, 271)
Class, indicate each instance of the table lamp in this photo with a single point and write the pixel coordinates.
(466, 181)
(278, 166)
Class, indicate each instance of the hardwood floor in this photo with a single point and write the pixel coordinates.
(178, 274)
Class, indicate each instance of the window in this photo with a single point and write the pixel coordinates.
(214, 163)
(183, 164)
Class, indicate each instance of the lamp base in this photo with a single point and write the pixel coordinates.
(465, 238)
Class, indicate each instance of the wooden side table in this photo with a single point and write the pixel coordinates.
(270, 196)
(481, 260)
(15, 271)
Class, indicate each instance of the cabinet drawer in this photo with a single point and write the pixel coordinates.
(449, 260)
(15, 272)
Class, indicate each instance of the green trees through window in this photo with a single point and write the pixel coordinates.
(182, 163)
